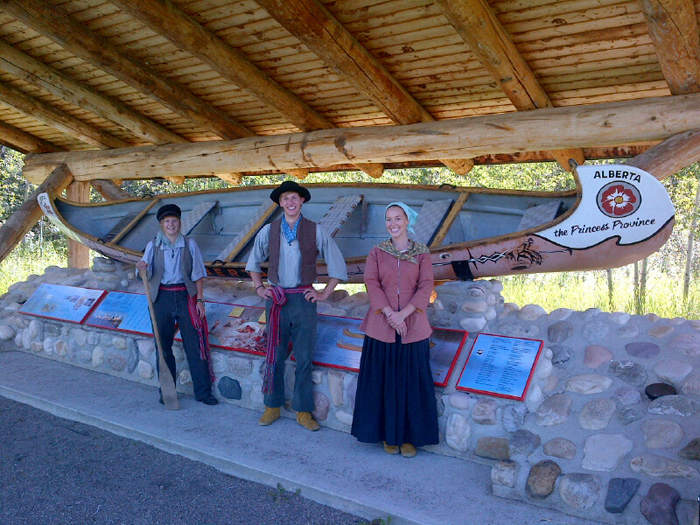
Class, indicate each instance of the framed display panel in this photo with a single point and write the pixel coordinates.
(500, 366)
(339, 345)
(236, 327)
(122, 311)
(62, 303)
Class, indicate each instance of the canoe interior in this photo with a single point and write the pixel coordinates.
(484, 215)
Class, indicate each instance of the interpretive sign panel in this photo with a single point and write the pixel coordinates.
(500, 366)
(339, 345)
(63, 303)
(235, 327)
(122, 311)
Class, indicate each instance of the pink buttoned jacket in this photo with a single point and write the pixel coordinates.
(395, 282)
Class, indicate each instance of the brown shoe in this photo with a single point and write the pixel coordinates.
(408, 450)
(391, 449)
(269, 416)
(306, 421)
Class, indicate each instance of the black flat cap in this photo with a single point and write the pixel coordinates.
(168, 210)
(290, 185)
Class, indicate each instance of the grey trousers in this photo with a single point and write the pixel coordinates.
(298, 321)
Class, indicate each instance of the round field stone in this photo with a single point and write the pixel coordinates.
(596, 414)
(561, 356)
(554, 410)
(661, 433)
(541, 479)
(505, 473)
(580, 491)
(603, 452)
(596, 355)
(630, 372)
(588, 384)
(672, 371)
(513, 416)
(620, 493)
(457, 432)
(656, 390)
(559, 331)
(595, 331)
(560, 448)
(524, 442)
(658, 466)
(659, 505)
(627, 415)
(687, 344)
(627, 395)
(230, 388)
(492, 448)
(691, 450)
(674, 406)
(642, 349)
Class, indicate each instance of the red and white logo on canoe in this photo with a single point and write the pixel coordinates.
(618, 199)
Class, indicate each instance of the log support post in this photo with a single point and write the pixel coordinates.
(78, 253)
(27, 215)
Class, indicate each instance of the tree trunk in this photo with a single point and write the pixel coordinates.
(691, 238)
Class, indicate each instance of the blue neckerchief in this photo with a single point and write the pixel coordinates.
(164, 242)
(289, 233)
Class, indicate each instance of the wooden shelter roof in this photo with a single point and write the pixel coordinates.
(93, 74)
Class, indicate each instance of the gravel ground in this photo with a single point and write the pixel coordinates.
(56, 471)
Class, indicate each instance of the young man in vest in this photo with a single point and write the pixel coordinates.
(292, 244)
(176, 279)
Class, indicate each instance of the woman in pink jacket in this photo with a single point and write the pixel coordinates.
(395, 400)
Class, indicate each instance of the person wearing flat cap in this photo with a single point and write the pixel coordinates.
(292, 244)
(176, 275)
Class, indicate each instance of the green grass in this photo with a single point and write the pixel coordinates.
(27, 259)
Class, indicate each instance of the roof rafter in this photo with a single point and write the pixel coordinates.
(673, 27)
(478, 26)
(55, 118)
(35, 72)
(316, 27)
(186, 33)
(70, 34)
(24, 142)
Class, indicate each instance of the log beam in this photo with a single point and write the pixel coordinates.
(78, 253)
(35, 72)
(24, 142)
(478, 26)
(673, 26)
(55, 118)
(596, 125)
(186, 33)
(671, 155)
(314, 25)
(52, 22)
(27, 215)
(110, 190)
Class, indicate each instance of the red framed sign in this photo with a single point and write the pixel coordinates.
(500, 366)
(62, 303)
(122, 311)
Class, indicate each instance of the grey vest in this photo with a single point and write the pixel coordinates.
(159, 268)
(306, 235)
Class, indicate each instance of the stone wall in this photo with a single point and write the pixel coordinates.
(586, 440)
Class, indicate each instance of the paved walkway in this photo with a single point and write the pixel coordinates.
(328, 467)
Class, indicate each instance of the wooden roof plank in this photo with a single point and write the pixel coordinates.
(190, 36)
(57, 119)
(24, 142)
(72, 35)
(25, 67)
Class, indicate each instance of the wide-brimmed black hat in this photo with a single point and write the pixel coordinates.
(290, 185)
(168, 210)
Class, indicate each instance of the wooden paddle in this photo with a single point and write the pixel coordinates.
(167, 384)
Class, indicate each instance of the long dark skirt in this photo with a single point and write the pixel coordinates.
(395, 400)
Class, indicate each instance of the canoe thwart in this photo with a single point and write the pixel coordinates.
(249, 230)
(194, 217)
(541, 214)
(338, 213)
(429, 219)
(126, 223)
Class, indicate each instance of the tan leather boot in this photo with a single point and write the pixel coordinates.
(269, 416)
(408, 450)
(391, 449)
(306, 421)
